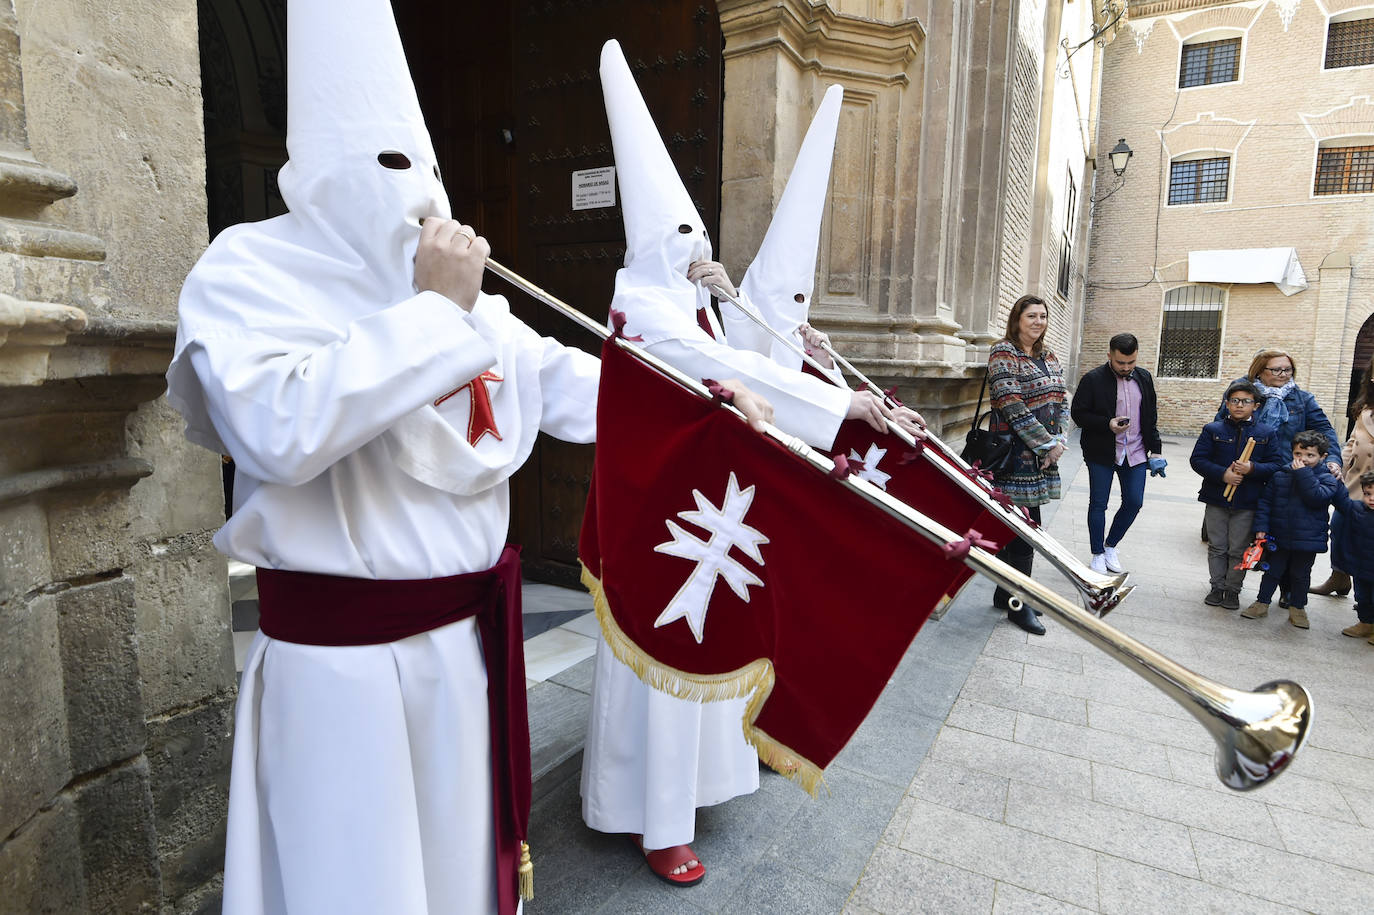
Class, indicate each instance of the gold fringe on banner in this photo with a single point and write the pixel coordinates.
(754, 680)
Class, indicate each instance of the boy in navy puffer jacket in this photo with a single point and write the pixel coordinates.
(1216, 458)
(1294, 509)
(1359, 531)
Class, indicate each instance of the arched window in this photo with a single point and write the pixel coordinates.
(1350, 40)
(1345, 166)
(1190, 334)
(1199, 177)
(1209, 58)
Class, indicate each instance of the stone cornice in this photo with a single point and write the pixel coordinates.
(1168, 7)
(119, 473)
(43, 239)
(816, 37)
(29, 182)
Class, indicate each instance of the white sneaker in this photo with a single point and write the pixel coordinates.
(1099, 563)
(1113, 561)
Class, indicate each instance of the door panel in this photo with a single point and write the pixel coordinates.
(513, 116)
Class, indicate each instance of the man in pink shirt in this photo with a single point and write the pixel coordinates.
(1116, 409)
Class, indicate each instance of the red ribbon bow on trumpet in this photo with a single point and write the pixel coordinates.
(958, 549)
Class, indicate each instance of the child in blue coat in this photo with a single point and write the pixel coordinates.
(1359, 534)
(1293, 509)
(1217, 459)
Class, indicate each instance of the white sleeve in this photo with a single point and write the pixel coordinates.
(741, 331)
(569, 379)
(287, 411)
(803, 405)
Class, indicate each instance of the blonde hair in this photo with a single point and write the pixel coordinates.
(1262, 358)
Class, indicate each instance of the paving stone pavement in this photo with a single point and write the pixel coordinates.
(1002, 772)
(1060, 781)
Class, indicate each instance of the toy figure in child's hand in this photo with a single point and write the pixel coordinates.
(1157, 465)
(1250, 559)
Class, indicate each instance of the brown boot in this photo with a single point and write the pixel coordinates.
(1359, 630)
(1255, 611)
(1337, 585)
(1298, 617)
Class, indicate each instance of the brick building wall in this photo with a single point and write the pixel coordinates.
(1270, 122)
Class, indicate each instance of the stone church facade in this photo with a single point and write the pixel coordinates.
(962, 168)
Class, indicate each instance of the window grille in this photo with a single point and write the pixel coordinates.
(1209, 62)
(1199, 180)
(1350, 43)
(1190, 338)
(1345, 170)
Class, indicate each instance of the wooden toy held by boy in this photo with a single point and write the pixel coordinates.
(1293, 511)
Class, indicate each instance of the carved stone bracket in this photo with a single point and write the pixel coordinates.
(28, 333)
(818, 38)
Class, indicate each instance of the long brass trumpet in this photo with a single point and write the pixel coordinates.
(1257, 733)
(1100, 593)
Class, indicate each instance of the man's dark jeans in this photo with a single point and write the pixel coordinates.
(1100, 489)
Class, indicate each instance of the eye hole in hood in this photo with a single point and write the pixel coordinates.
(392, 159)
(685, 229)
(799, 297)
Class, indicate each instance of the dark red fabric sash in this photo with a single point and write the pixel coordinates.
(313, 609)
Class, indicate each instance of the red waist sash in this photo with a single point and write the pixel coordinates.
(313, 609)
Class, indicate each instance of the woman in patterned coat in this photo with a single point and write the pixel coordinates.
(1026, 383)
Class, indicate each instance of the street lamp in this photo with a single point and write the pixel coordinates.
(1121, 157)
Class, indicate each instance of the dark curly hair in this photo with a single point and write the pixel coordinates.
(1310, 439)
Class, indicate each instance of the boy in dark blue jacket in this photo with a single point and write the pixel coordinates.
(1359, 534)
(1294, 509)
(1217, 459)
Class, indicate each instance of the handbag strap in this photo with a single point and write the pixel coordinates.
(978, 410)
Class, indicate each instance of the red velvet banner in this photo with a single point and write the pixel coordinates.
(724, 565)
(892, 465)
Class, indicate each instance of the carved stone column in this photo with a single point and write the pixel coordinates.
(779, 58)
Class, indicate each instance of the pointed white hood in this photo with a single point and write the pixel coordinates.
(664, 233)
(350, 99)
(781, 280)
(361, 176)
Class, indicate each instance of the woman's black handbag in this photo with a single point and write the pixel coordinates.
(995, 452)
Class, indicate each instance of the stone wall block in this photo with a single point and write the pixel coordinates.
(188, 755)
(33, 751)
(24, 562)
(119, 841)
(100, 670)
(40, 867)
(204, 900)
(88, 533)
(186, 648)
(123, 77)
(174, 498)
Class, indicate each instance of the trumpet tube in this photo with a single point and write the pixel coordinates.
(1257, 733)
(1100, 593)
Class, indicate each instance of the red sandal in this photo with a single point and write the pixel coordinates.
(662, 861)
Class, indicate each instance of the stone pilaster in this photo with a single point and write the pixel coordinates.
(117, 673)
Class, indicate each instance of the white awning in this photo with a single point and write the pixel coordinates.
(1249, 265)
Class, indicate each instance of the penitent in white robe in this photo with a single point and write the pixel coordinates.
(652, 759)
(361, 779)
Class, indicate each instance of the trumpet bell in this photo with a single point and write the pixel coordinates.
(1265, 729)
(1103, 602)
